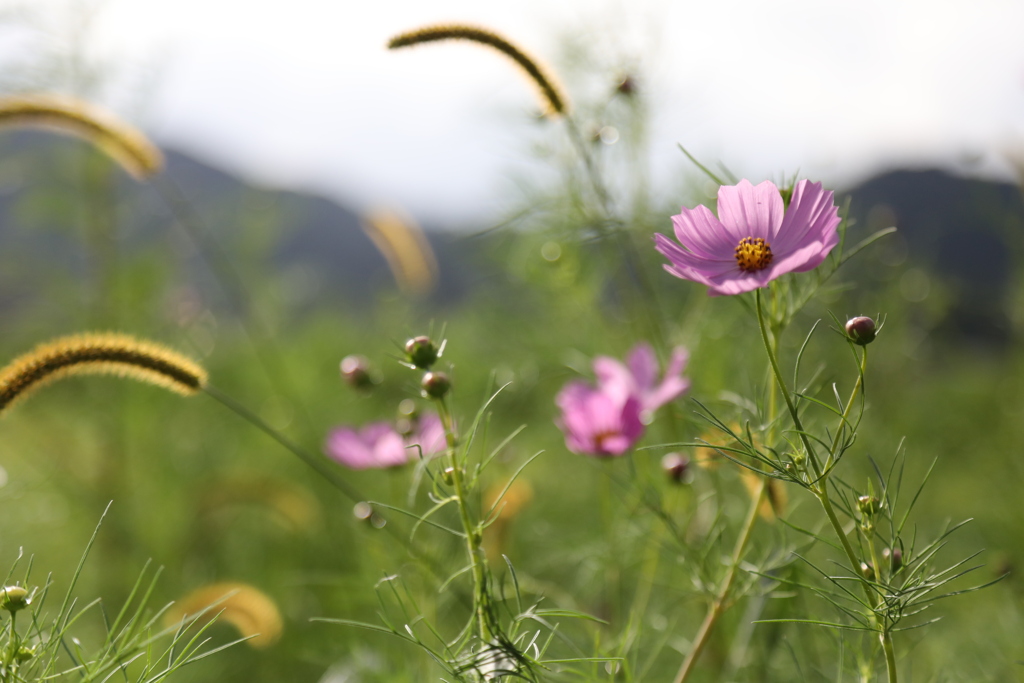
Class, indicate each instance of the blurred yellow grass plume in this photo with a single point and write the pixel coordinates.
(551, 92)
(775, 500)
(294, 505)
(123, 143)
(405, 248)
(249, 610)
(99, 353)
(507, 507)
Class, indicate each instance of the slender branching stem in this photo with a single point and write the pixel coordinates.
(721, 599)
(820, 489)
(471, 530)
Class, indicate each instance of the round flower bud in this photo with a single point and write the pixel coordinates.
(24, 654)
(627, 86)
(362, 511)
(435, 385)
(13, 598)
(868, 505)
(676, 467)
(355, 370)
(421, 352)
(861, 330)
(867, 571)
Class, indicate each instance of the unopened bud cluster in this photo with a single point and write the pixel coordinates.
(422, 353)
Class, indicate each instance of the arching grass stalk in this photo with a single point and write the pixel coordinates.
(820, 485)
(477, 559)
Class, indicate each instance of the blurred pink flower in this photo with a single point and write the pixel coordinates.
(596, 422)
(754, 239)
(609, 419)
(639, 377)
(378, 445)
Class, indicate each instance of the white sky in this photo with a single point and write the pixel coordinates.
(302, 93)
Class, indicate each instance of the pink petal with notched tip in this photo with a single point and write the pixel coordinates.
(750, 210)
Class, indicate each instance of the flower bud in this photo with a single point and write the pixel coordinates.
(13, 598)
(867, 571)
(627, 86)
(362, 511)
(355, 370)
(408, 417)
(861, 330)
(421, 352)
(868, 505)
(895, 557)
(448, 476)
(435, 385)
(676, 467)
(24, 654)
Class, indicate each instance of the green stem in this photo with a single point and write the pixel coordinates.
(820, 489)
(846, 410)
(884, 635)
(774, 361)
(473, 536)
(718, 606)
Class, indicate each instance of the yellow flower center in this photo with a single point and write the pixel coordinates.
(753, 254)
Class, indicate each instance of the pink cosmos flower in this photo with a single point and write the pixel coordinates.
(596, 422)
(378, 445)
(639, 376)
(754, 239)
(609, 419)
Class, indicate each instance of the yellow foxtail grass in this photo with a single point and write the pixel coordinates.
(290, 503)
(99, 353)
(249, 610)
(405, 248)
(123, 143)
(551, 92)
(775, 499)
(506, 509)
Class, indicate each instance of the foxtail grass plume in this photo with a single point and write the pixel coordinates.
(125, 144)
(406, 249)
(99, 354)
(553, 96)
(249, 610)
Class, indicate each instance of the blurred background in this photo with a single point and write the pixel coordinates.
(352, 197)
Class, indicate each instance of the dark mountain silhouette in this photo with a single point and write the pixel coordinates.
(969, 233)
